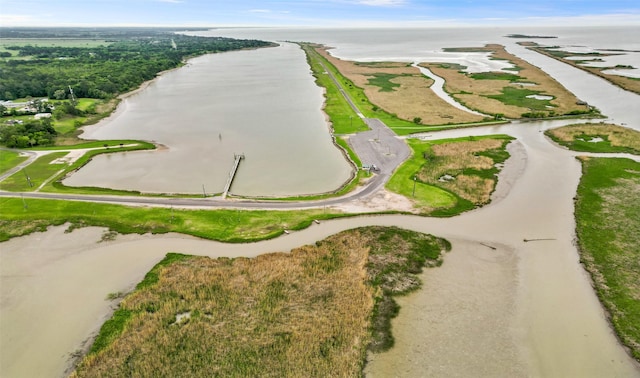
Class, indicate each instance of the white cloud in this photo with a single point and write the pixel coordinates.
(259, 11)
(382, 3)
(16, 19)
(171, 1)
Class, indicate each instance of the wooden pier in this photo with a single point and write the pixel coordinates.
(232, 174)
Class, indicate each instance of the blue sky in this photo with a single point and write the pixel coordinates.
(325, 13)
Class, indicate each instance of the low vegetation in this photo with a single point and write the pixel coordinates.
(396, 93)
(597, 137)
(450, 176)
(10, 159)
(22, 216)
(343, 119)
(509, 94)
(624, 82)
(607, 226)
(313, 312)
(37, 173)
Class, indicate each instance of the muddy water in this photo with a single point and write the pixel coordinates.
(524, 309)
(262, 103)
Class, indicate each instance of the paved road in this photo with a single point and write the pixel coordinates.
(379, 146)
(32, 157)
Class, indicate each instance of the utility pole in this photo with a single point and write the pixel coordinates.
(28, 178)
(414, 186)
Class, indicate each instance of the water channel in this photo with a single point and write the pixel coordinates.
(521, 309)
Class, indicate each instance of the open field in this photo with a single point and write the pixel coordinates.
(19, 218)
(608, 225)
(399, 90)
(450, 176)
(624, 82)
(34, 175)
(501, 94)
(313, 312)
(47, 42)
(597, 137)
(9, 159)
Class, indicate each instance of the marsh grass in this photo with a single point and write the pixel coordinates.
(607, 227)
(624, 82)
(405, 93)
(614, 138)
(311, 313)
(494, 93)
(452, 175)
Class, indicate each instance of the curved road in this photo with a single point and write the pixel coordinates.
(379, 146)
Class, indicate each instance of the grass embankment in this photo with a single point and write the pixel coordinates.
(10, 159)
(21, 217)
(607, 226)
(396, 93)
(624, 82)
(451, 176)
(599, 137)
(311, 313)
(508, 93)
(343, 119)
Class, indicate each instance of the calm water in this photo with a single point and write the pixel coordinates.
(263, 103)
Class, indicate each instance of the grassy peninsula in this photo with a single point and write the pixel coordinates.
(607, 214)
(313, 312)
(607, 226)
(449, 176)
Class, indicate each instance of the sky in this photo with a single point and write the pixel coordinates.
(318, 13)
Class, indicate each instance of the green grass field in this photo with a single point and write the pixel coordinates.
(344, 120)
(608, 226)
(10, 159)
(38, 172)
(223, 225)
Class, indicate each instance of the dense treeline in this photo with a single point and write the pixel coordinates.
(103, 71)
(28, 134)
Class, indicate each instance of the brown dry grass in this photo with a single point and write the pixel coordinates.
(618, 136)
(453, 159)
(303, 314)
(470, 91)
(412, 99)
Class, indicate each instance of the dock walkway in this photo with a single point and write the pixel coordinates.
(232, 174)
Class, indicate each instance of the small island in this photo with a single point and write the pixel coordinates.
(530, 36)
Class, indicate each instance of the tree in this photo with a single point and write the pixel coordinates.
(60, 94)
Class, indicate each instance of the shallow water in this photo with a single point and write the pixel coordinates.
(550, 321)
(262, 103)
(526, 309)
